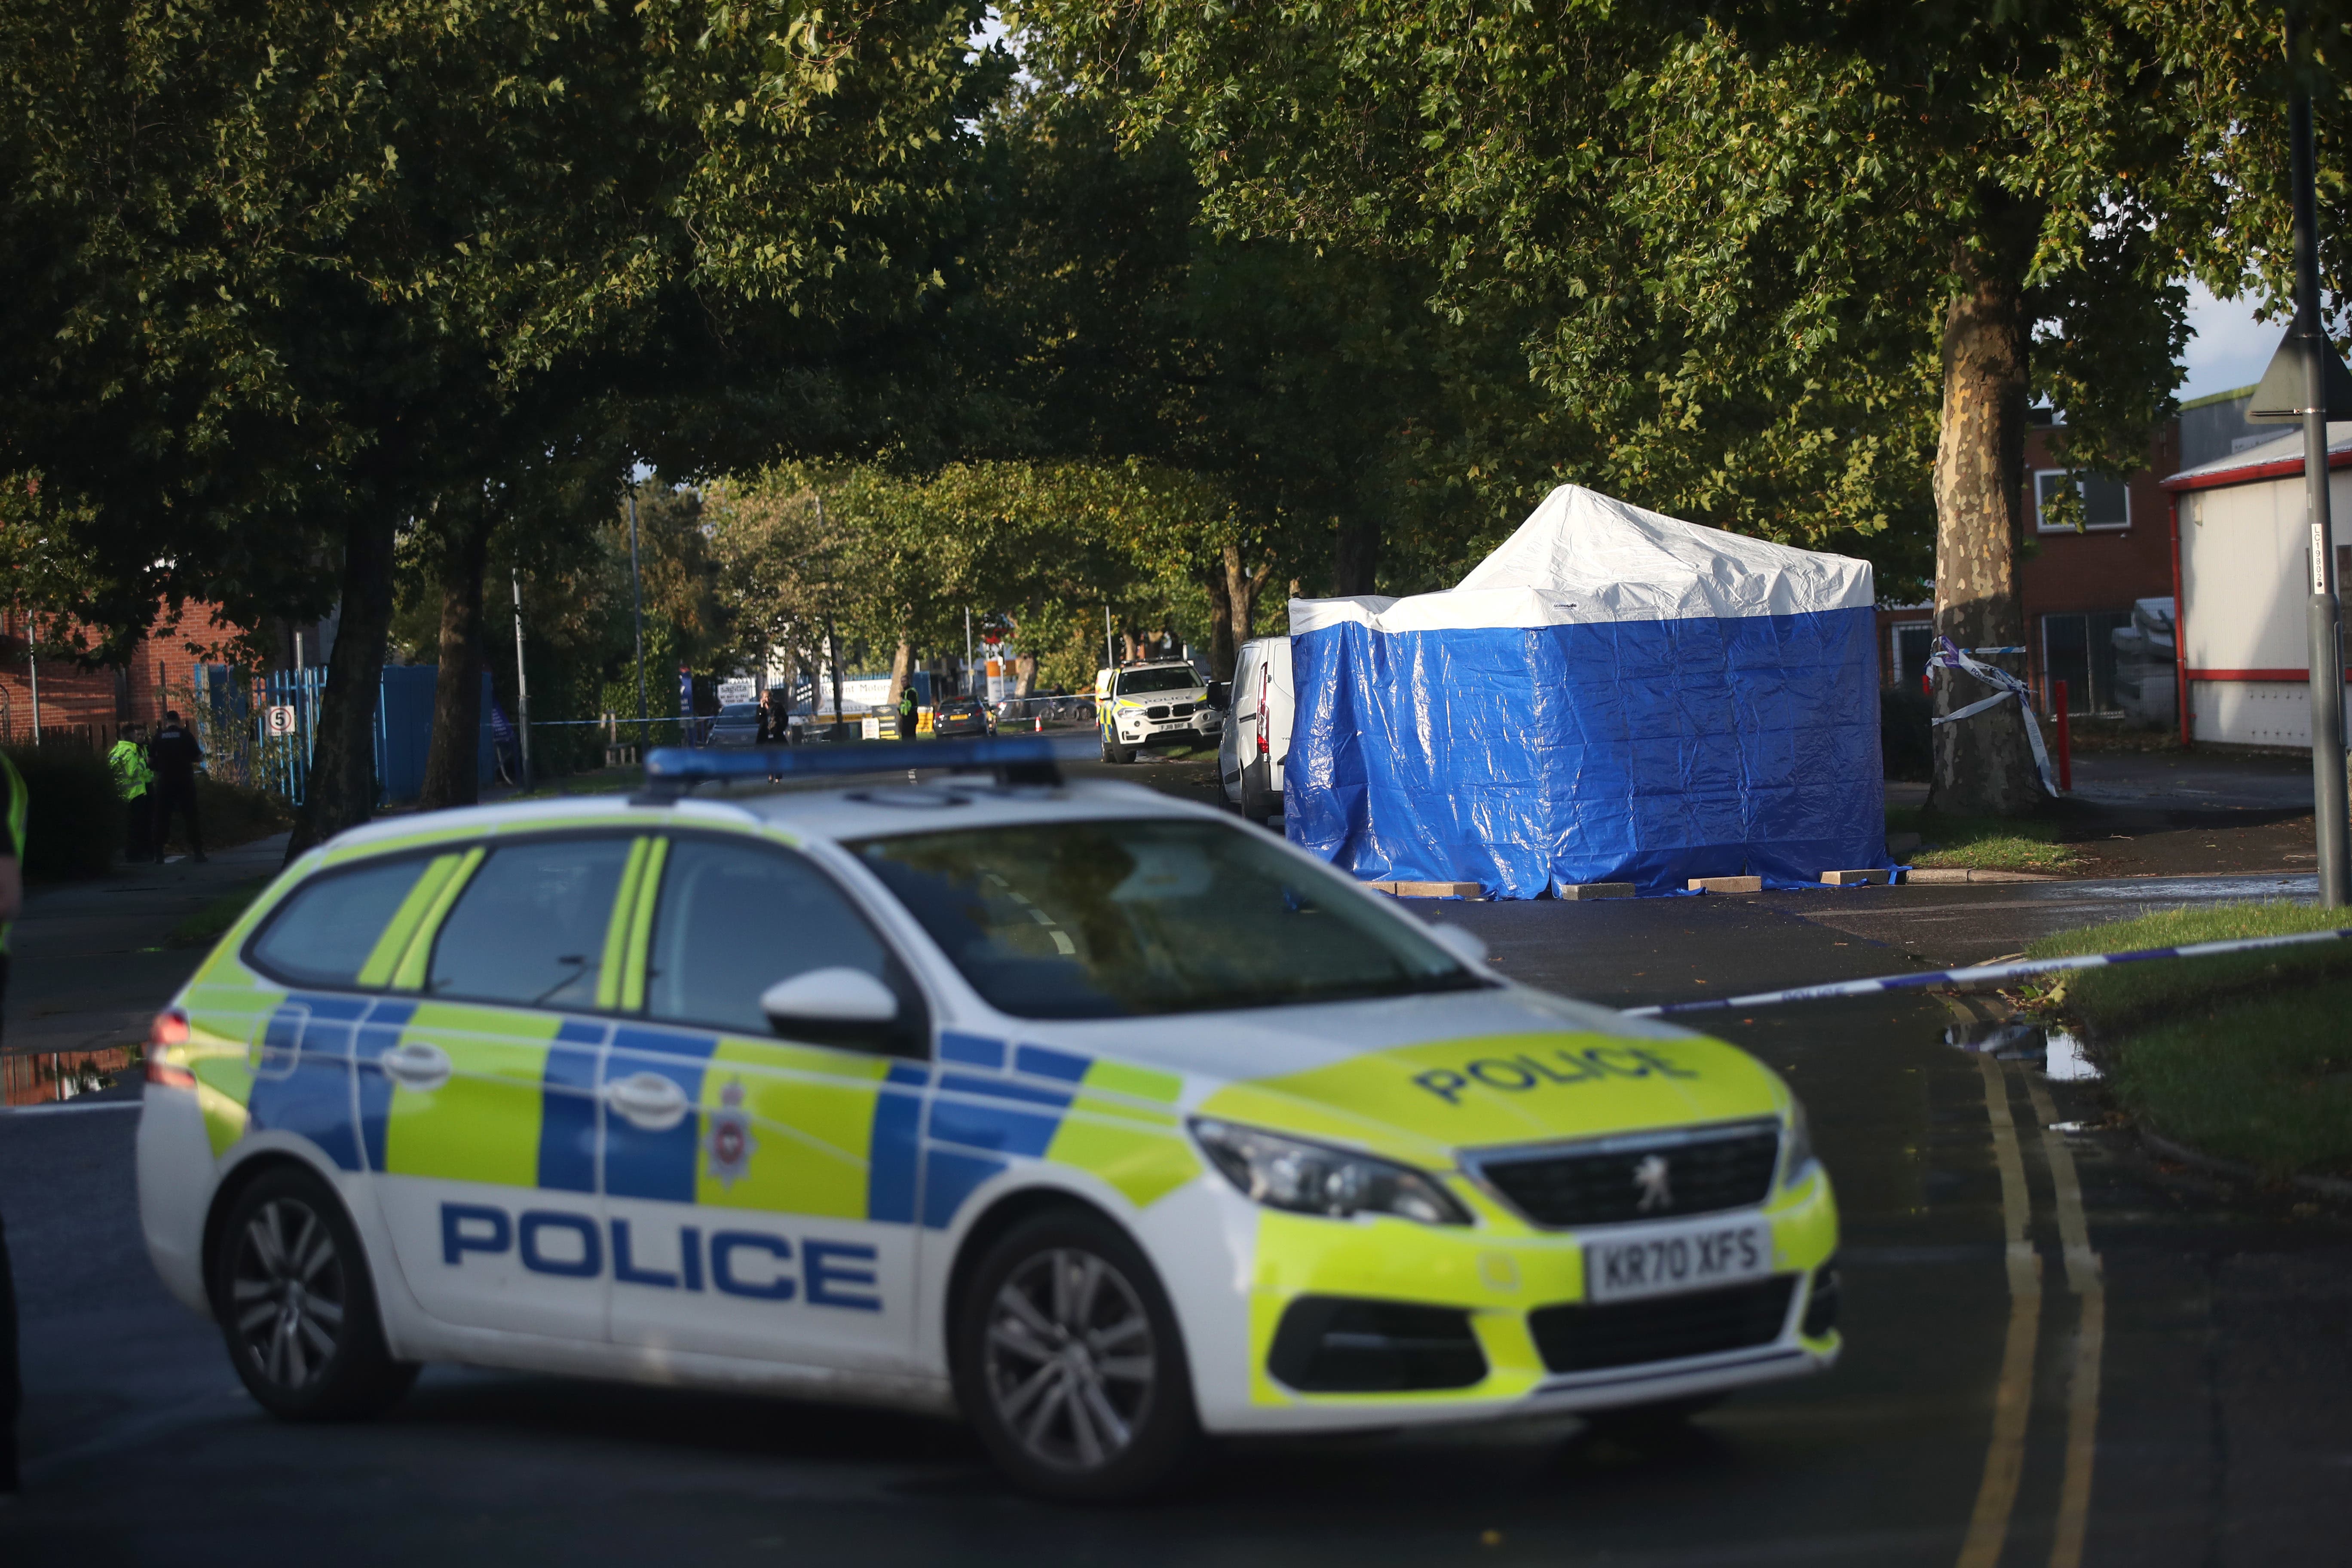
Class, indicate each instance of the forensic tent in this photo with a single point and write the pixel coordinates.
(1612, 696)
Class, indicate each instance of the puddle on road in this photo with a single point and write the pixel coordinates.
(42, 1078)
(2060, 1054)
(2065, 1058)
(2195, 889)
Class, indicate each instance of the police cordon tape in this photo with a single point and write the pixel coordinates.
(1980, 975)
(2006, 686)
(671, 771)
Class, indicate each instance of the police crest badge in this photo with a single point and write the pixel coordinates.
(727, 1145)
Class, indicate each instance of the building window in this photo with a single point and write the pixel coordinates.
(1908, 645)
(2080, 651)
(2106, 503)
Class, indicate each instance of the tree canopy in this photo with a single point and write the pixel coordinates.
(1755, 247)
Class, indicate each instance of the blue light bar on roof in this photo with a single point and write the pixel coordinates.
(1016, 758)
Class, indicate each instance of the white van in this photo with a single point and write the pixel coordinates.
(1256, 739)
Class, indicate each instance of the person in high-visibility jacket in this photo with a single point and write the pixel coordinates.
(133, 780)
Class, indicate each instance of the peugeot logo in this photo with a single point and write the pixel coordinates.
(1651, 1176)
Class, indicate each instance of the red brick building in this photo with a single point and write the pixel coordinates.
(2079, 588)
(95, 703)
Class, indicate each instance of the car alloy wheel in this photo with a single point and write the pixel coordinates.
(287, 1289)
(291, 1292)
(1070, 1364)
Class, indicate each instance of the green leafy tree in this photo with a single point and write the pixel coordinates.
(315, 270)
(1758, 246)
(1306, 380)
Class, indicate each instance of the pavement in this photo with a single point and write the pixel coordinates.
(2059, 1348)
(90, 962)
(2213, 781)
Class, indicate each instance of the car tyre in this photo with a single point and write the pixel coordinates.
(1258, 805)
(1069, 1365)
(1113, 753)
(291, 1292)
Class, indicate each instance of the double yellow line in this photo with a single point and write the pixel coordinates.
(2013, 1395)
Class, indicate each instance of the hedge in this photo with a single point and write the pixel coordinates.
(73, 821)
(74, 824)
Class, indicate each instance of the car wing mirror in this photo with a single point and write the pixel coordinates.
(1461, 942)
(835, 1004)
(1221, 694)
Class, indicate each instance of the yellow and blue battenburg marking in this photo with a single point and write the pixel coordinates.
(927, 1139)
(997, 1100)
(302, 1080)
(977, 1120)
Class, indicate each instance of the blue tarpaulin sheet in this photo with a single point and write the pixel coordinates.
(1613, 738)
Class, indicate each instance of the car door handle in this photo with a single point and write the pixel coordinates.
(647, 1100)
(415, 1063)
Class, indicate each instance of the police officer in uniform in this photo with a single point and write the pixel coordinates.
(174, 754)
(907, 711)
(12, 897)
(132, 777)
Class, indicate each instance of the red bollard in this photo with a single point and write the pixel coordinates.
(2065, 738)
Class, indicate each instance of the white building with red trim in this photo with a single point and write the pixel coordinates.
(2241, 575)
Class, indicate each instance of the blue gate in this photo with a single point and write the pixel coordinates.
(283, 739)
(286, 729)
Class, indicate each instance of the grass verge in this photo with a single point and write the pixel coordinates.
(2245, 1056)
(205, 926)
(1984, 843)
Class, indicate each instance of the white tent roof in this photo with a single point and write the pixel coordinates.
(1583, 557)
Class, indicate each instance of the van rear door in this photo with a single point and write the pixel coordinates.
(1236, 742)
(1280, 704)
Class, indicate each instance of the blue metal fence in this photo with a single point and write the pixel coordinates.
(403, 727)
(283, 754)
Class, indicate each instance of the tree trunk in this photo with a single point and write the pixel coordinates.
(902, 667)
(1240, 592)
(453, 760)
(341, 792)
(1983, 764)
(1355, 557)
(1221, 620)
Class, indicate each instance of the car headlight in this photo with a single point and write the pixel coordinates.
(1307, 1178)
(1797, 1158)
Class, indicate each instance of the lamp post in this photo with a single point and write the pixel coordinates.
(523, 681)
(637, 609)
(2327, 769)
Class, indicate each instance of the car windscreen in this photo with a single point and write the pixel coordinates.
(1136, 682)
(739, 711)
(1128, 918)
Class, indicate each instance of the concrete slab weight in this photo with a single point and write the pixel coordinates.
(1428, 890)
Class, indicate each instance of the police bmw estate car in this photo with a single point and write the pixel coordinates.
(1089, 1113)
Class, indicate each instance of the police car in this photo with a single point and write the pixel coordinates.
(1150, 704)
(1091, 1114)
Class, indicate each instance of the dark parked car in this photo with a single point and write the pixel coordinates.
(738, 724)
(962, 716)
